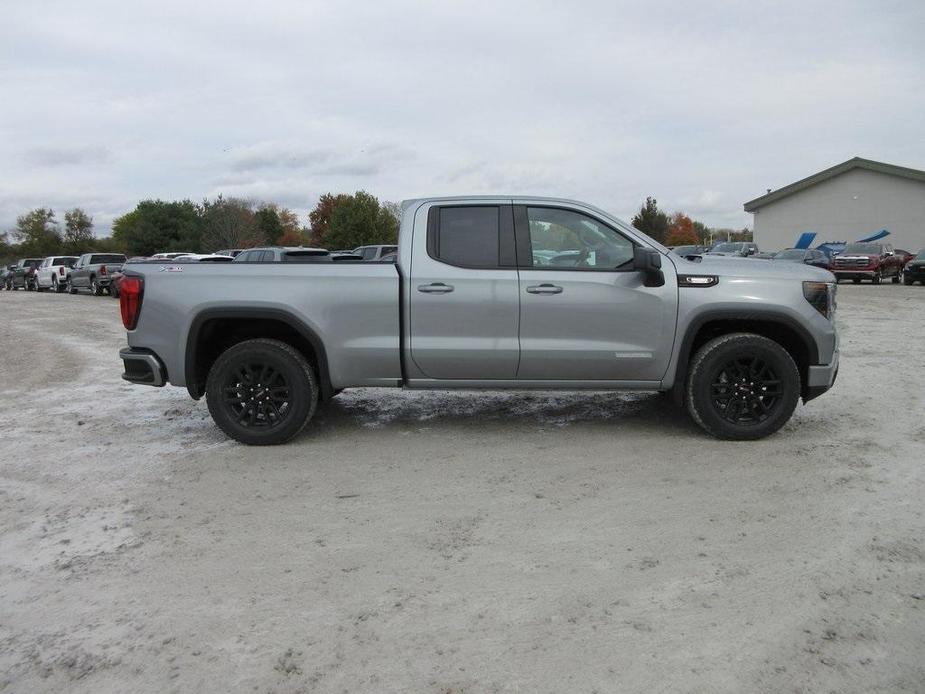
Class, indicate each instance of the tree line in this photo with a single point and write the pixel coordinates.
(678, 229)
(337, 222)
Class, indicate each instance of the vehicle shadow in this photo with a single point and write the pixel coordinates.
(379, 409)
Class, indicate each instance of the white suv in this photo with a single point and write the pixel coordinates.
(52, 272)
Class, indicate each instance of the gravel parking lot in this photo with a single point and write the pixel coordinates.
(472, 542)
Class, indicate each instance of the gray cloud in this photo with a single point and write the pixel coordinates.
(703, 105)
(67, 155)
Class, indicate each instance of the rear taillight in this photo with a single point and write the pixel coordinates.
(61, 270)
(102, 269)
(131, 291)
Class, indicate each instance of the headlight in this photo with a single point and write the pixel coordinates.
(821, 295)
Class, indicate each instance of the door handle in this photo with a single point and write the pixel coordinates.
(544, 289)
(435, 288)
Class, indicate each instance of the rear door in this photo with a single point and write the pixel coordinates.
(585, 314)
(79, 272)
(464, 304)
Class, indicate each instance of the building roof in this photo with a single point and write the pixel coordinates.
(856, 163)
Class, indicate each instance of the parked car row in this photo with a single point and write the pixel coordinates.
(92, 271)
(875, 262)
(100, 273)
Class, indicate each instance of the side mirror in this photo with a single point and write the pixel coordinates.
(649, 262)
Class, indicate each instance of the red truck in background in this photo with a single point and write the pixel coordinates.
(868, 261)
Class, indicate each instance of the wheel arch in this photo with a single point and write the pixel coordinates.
(213, 331)
(776, 326)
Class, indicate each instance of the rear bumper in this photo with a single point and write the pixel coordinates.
(142, 366)
(820, 378)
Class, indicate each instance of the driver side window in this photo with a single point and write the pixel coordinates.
(571, 240)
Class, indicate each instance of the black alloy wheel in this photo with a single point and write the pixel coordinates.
(745, 391)
(261, 392)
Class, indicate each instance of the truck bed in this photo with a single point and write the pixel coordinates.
(354, 307)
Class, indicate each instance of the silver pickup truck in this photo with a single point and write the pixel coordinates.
(488, 293)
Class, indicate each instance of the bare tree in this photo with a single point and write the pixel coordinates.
(229, 223)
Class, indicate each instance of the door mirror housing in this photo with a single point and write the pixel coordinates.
(649, 262)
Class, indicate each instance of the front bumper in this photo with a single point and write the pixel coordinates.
(142, 366)
(820, 377)
(854, 274)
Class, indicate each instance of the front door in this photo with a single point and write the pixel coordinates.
(464, 306)
(585, 314)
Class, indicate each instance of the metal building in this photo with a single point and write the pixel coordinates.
(847, 202)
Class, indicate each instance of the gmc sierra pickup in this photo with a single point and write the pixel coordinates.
(490, 293)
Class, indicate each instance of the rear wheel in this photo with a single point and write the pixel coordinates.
(261, 392)
(897, 277)
(95, 288)
(742, 386)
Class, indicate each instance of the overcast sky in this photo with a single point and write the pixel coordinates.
(703, 104)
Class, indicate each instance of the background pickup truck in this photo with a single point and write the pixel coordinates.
(487, 292)
(23, 274)
(868, 261)
(94, 271)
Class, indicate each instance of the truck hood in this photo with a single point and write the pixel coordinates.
(729, 266)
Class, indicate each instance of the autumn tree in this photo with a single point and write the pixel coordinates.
(359, 220)
(651, 220)
(704, 233)
(320, 218)
(681, 231)
(78, 231)
(37, 233)
(230, 223)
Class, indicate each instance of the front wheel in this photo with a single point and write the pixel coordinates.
(876, 278)
(71, 289)
(742, 386)
(907, 279)
(261, 392)
(95, 288)
(897, 278)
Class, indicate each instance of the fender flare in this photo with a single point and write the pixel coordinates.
(192, 338)
(752, 314)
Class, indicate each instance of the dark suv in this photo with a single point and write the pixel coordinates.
(23, 274)
(915, 269)
(867, 261)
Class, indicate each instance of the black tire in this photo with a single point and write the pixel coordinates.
(856, 281)
(897, 278)
(55, 287)
(907, 279)
(234, 398)
(876, 278)
(95, 288)
(750, 373)
(71, 289)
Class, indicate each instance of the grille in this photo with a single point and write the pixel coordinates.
(852, 263)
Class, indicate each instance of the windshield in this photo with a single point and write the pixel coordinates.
(920, 255)
(727, 247)
(864, 248)
(792, 254)
(686, 250)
